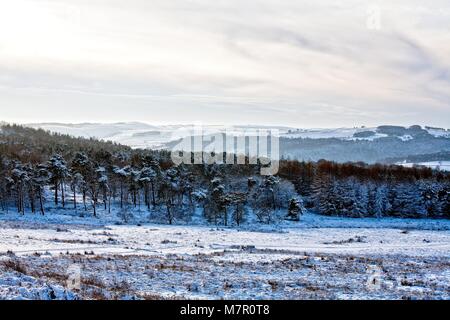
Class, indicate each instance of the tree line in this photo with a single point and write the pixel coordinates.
(38, 168)
(41, 171)
(361, 190)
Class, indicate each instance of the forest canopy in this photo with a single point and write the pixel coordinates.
(38, 168)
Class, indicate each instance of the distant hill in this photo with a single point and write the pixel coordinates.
(377, 144)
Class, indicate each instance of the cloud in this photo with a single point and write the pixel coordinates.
(300, 63)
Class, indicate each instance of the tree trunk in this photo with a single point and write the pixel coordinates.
(139, 199)
(31, 195)
(19, 201)
(121, 195)
(95, 206)
(109, 202)
(23, 203)
(74, 198)
(63, 194)
(273, 200)
(147, 200)
(56, 192)
(153, 195)
(225, 217)
(84, 200)
(41, 203)
(169, 214)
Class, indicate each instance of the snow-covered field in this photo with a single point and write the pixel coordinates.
(320, 257)
(440, 165)
(142, 135)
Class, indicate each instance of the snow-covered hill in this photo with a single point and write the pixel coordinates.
(440, 165)
(137, 134)
(376, 144)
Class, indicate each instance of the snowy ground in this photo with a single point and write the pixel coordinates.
(141, 135)
(440, 165)
(320, 257)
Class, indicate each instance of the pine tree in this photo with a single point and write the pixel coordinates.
(407, 202)
(237, 200)
(122, 175)
(103, 185)
(378, 204)
(295, 210)
(81, 170)
(216, 203)
(58, 169)
(20, 179)
(325, 195)
(147, 179)
(40, 178)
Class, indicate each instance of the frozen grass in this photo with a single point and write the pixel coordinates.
(221, 276)
(318, 258)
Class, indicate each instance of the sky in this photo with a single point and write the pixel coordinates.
(325, 63)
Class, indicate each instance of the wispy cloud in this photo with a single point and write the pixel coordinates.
(303, 63)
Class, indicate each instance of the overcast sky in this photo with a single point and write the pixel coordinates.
(325, 63)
